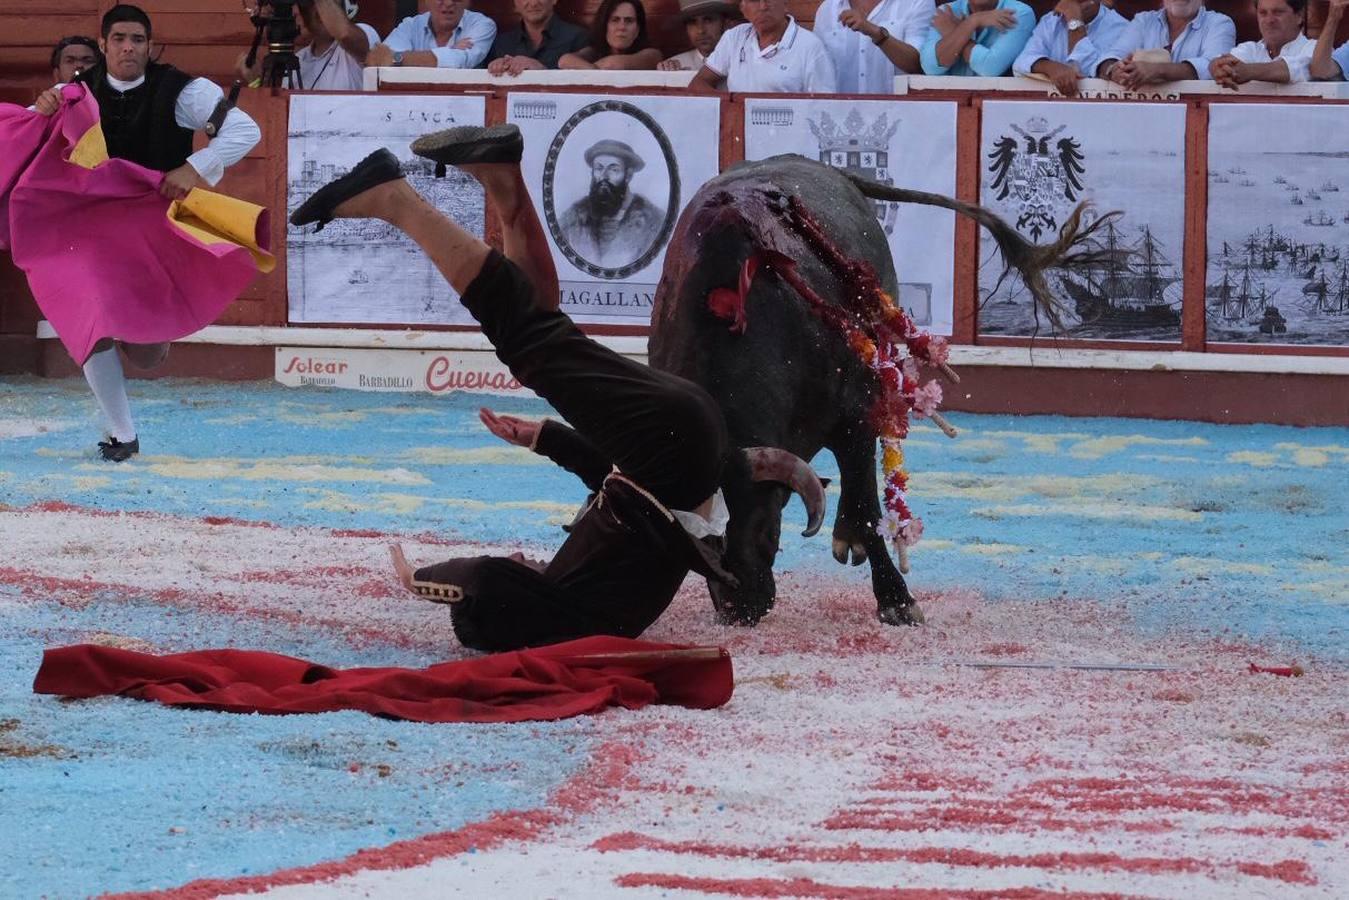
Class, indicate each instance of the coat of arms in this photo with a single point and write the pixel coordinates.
(861, 148)
(1042, 178)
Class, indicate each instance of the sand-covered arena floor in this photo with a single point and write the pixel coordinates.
(855, 760)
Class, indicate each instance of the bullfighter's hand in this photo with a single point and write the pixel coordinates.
(48, 102)
(179, 182)
(400, 565)
(520, 432)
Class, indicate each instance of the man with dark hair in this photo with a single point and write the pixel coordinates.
(652, 447)
(73, 55)
(1283, 54)
(542, 38)
(150, 113)
(612, 225)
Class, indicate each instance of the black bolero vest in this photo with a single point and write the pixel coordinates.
(140, 124)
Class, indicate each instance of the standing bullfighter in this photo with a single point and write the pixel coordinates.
(651, 446)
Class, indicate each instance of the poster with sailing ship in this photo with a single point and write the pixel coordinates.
(366, 271)
(1278, 225)
(908, 143)
(1038, 161)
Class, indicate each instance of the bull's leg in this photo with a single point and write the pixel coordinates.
(855, 535)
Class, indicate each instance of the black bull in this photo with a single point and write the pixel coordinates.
(790, 380)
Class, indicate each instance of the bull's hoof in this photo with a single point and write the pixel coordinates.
(901, 615)
(843, 549)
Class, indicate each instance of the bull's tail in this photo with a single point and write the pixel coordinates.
(1076, 248)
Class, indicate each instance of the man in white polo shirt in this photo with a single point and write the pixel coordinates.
(1283, 54)
(769, 53)
(448, 35)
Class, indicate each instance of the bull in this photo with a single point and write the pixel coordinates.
(730, 315)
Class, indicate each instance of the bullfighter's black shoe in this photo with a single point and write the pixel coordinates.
(375, 169)
(470, 144)
(114, 450)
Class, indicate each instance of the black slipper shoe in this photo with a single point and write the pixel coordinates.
(375, 169)
(114, 450)
(470, 144)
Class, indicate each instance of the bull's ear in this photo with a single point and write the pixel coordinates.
(772, 464)
(824, 482)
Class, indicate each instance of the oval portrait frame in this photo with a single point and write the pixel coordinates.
(550, 181)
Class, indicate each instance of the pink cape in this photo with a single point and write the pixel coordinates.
(579, 677)
(102, 254)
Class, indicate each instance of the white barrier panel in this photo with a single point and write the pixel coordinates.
(908, 144)
(610, 177)
(1278, 212)
(1039, 159)
(397, 371)
(366, 271)
(403, 77)
(1099, 88)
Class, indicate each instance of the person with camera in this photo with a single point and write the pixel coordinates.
(150, 113)
(334, 57)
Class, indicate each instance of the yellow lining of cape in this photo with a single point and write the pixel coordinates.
(217, 219)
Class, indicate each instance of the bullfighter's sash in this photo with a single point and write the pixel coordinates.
(106, 256)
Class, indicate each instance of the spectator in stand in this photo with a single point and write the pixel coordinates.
(705, 21)
(1191, 35)
(539, 43)
(618, 40)
(977, 37)
(448, 35)
(1328, 64)
(73, 55)
(333, 58)
(872, 41)
(1068, 43)
(769, 53)
(1283, 54)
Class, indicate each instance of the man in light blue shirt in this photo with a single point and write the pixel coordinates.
(448, 35)
(976, 37)
(1192, 35)
(1068, 43)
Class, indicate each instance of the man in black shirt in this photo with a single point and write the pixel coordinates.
(540, 40)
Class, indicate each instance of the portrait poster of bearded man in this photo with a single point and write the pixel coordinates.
(611, 225)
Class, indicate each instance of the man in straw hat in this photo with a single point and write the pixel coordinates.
(652, 447)
(705, 21)
(611, 225)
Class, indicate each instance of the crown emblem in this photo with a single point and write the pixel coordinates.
(854, 133)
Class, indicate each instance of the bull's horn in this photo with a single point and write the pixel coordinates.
(772, 464)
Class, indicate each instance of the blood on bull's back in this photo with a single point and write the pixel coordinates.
(725, 320)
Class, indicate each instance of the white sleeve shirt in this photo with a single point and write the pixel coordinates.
(1296, 54)
(238, 133)
(861, 66)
